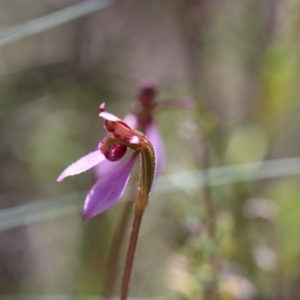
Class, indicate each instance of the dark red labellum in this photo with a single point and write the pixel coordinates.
(115, 152)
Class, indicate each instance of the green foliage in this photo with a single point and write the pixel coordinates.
(239, 60)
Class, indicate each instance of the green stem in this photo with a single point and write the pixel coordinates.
(138, 214)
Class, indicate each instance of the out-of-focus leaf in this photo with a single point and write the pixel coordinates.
(286, 196)
(247, 143)
(277, 87)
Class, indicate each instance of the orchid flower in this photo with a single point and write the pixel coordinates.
(109, 188)
(141, 118)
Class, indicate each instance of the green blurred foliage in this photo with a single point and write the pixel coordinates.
(239, 61)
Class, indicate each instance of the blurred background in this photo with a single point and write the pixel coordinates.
(224, 217)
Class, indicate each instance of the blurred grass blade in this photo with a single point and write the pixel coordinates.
(230, 174)
(57, 297)
(41, 210)
(54, 19)
(185, 182)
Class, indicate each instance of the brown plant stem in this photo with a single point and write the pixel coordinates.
(116, 247)
(138, 214)
(115, 251)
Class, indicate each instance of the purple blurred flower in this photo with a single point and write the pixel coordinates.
(108, 190)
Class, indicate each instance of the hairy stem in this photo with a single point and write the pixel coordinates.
(138, 214)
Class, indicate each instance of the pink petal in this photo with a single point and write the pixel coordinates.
(131, 121)
(105, 115)
(83, 164)
(155, 138)
(108, 190)
(110, 117)
(104, 168)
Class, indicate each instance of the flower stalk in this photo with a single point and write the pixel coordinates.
(142, 118)
(108, 189)
(138, 215)
(117, 245)
(148, 163)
